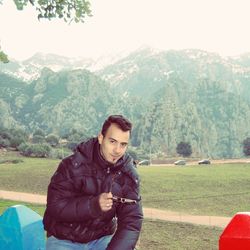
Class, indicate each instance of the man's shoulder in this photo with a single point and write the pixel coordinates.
(76, 163)
(82, 154)
(130, 171)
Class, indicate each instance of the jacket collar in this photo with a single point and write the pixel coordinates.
(91, 151)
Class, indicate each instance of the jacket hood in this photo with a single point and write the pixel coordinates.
(91, 151)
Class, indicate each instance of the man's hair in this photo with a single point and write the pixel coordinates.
(123, 123)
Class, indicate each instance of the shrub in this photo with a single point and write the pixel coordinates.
(25, 149)
(12, 137)
(4, 143)
(15, 141)
(39, 132)
(38, 139)
(59, 153)
(35, 150)
(52, 140)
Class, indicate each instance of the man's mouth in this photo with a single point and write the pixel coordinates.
(114, 158)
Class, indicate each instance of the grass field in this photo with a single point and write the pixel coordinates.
(221, 189)
(31, 175)
(160, 235)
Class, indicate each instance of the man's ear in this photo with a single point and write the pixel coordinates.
(100, 138)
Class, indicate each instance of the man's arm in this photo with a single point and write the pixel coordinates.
(63, 201)
(129, 223)
(129, 227)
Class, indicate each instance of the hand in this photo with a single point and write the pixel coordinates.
(105, 201)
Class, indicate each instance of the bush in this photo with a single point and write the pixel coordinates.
(38, 139)
(52, 140)
(25, 149)
(12, 137)
(35, 150)
(39, 132)
(41, 150)
(4, 133)
(15, 141)
(59, 153)
(4, 143)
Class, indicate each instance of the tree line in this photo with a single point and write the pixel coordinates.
(40, 144)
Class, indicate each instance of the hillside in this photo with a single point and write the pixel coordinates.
(170, 96)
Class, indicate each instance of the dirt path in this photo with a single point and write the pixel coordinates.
(150, 213)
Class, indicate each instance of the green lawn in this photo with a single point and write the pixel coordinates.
(221, 190)
(32, 175)
(160, 235)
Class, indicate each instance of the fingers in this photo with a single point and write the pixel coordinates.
(109, 195)
(105, 201)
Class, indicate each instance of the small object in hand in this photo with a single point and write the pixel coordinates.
(124, 200)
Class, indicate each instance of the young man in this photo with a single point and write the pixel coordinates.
(93, 199)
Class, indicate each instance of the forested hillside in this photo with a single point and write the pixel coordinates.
(172, 96)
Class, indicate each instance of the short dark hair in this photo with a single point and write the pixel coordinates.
(123, 123)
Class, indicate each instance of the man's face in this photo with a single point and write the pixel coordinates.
(114, 144)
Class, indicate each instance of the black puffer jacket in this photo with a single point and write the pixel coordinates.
(73, 211)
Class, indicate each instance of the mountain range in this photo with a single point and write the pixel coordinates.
(171, 96)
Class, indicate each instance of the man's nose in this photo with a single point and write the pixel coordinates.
(117, 148)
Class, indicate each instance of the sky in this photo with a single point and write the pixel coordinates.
(121, 26)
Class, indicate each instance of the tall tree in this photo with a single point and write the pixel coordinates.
(246, 146)
(184, 149)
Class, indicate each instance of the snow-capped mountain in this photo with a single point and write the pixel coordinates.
(31, 68)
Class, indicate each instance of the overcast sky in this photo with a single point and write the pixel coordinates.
(220, 26)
